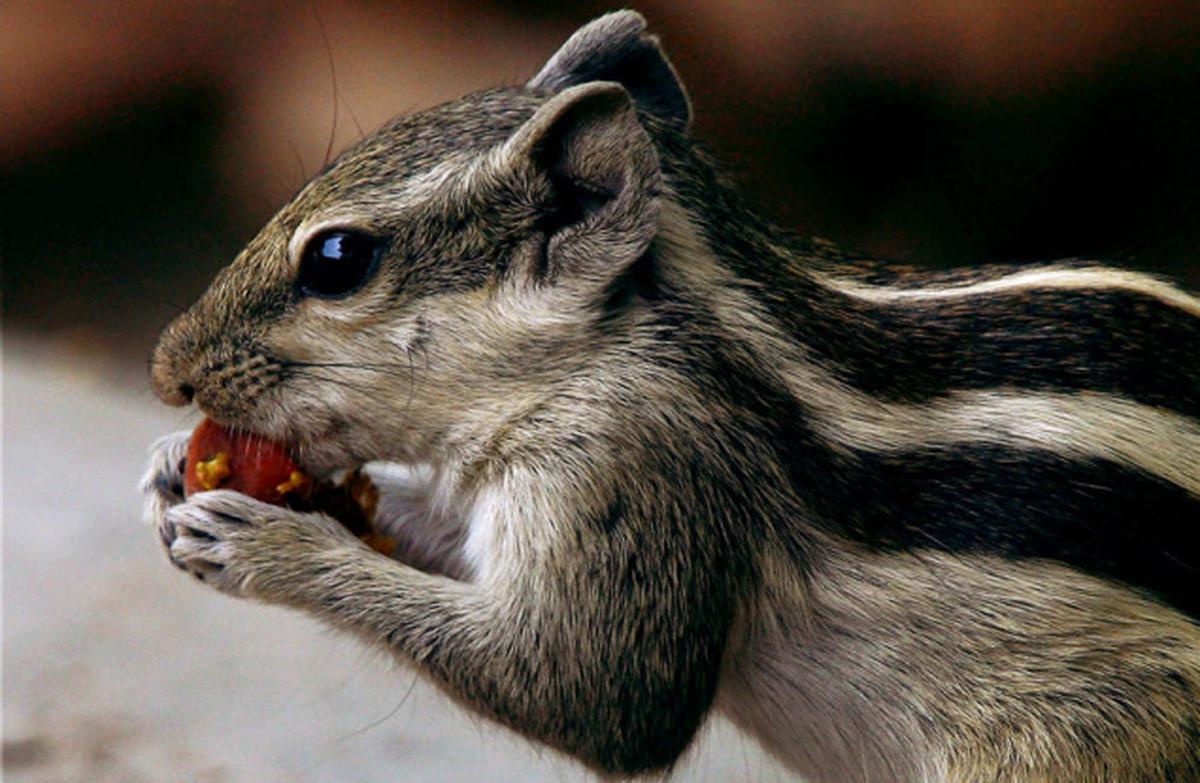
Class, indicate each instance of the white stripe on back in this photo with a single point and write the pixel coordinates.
(1083, 425)
(1093, 278)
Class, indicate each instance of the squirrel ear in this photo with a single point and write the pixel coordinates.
(587, 145)
(617, 48)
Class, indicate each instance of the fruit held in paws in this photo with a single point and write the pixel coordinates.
(219, 458)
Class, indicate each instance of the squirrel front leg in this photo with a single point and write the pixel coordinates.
(598, 651)
(428, 537)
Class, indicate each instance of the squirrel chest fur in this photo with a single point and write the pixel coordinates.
(664, 458)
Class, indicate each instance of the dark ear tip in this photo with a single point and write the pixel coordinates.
(628, 21)
(616, 47)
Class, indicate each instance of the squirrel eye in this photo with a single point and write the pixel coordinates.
(336, 262)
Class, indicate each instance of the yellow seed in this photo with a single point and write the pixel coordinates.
(295, 481)
(210, 473)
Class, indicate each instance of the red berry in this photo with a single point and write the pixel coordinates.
(218, 458)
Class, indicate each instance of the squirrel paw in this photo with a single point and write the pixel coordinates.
(244, 547)
(162, 484)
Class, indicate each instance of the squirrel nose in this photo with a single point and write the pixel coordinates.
(183, 395)
(169, 377)
(169, 390)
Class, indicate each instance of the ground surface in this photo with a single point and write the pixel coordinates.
(117, 667)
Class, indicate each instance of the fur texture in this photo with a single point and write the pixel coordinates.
(665, 457)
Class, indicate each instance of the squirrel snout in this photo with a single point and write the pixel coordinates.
(170, 384)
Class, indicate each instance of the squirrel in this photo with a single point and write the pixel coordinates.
(666, 459)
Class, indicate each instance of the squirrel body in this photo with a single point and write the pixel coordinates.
(896, 525)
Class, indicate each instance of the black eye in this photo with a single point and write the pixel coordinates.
(337, 262)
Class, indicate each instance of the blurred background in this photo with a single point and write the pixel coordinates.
(144, 142)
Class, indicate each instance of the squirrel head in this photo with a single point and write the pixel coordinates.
(446, 271)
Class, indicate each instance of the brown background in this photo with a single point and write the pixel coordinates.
(144, 142)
